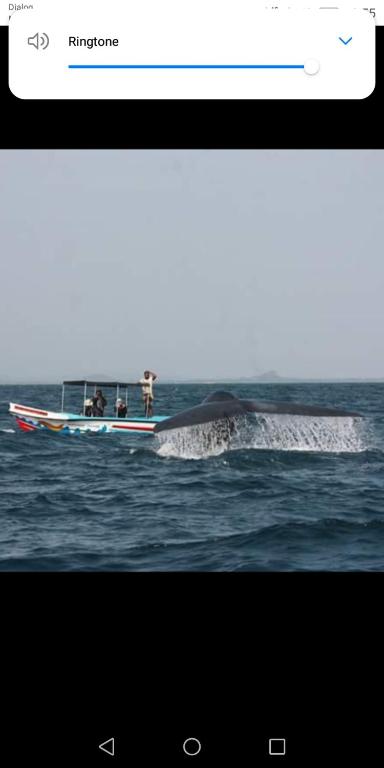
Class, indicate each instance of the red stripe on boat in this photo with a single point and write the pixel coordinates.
(25, 427)
(140, 429)
(30, 410)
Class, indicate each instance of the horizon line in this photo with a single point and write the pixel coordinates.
(218, 380)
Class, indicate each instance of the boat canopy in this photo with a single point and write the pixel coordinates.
(101, 384)
(88, 382)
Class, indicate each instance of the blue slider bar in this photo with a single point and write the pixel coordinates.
(185, 66)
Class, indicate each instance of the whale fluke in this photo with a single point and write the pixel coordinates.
(225, 405)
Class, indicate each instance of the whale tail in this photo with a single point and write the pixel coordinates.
(222, 405)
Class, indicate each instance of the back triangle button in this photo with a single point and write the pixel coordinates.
(108, 747)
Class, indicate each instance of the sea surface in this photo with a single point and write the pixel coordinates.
(291, 494)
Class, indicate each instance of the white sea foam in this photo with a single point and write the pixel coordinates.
(277, 432)
(10, 431)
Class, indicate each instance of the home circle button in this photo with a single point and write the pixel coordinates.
(192, 746)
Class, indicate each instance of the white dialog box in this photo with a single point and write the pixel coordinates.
(190, 49)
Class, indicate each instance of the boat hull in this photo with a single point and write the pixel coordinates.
(30, 419)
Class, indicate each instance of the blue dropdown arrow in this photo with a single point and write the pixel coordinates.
(345, 41)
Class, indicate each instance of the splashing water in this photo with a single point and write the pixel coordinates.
(198, 441)
(277, 432)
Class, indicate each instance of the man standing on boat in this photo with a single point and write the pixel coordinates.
(147, 390)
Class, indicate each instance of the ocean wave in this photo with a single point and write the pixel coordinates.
(291, 546)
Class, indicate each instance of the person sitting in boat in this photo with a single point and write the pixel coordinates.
(147, 390)
(88, 407)
(121, 408)
(98, 403)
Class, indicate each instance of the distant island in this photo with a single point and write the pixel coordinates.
(271, 377)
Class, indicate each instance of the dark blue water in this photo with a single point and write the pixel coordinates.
(290, 495)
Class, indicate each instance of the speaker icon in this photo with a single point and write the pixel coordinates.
(39, 40)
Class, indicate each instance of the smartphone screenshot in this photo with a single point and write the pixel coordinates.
(191, 382)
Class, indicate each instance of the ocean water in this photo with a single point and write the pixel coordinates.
(292, 493)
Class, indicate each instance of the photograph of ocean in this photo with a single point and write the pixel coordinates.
(293, 493)
(217, 320)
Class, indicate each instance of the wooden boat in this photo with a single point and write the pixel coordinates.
(29, 418)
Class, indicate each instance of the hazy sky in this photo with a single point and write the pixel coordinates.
(191, 263)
